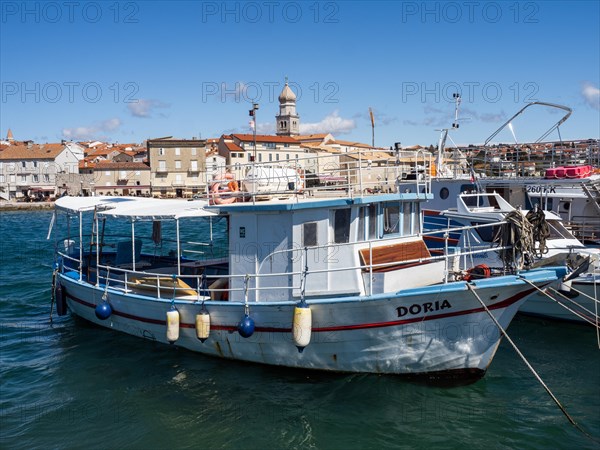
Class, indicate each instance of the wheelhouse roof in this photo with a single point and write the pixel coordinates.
(294, 204)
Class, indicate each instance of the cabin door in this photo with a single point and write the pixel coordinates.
(274, 256)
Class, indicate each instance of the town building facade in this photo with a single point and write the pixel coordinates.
(31, 170)
(177, 166)
(121, 178)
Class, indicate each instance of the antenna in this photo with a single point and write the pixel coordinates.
(457, 101)
(444, 131)
(372, 128)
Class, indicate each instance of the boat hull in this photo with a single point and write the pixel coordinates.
(438, 330)
(539, 305)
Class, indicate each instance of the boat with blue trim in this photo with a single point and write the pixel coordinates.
(334, 279)
(577, 300)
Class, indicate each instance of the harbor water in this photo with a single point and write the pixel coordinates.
(69, 384)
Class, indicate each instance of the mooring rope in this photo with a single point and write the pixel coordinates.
(561, 304)
(53, 293)
(585, 295)
(578, 314)
(514, 346)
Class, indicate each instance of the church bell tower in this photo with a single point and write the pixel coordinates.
(288, 121)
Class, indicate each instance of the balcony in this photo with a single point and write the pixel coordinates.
(193, 170)
(162, 170)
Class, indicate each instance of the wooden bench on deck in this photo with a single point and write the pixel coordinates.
(395, 253)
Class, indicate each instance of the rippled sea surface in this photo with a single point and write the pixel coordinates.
(73, 385)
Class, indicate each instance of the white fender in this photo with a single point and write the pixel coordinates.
(302, 326)
(202, 326)
(172, 325)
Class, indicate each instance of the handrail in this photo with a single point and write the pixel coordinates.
(116, 282)
(355, 245)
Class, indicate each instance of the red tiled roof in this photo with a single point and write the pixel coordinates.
(85, 164)
(352, 144)
(307, 137)
(264, 138)
(233, 147)
(36, 151)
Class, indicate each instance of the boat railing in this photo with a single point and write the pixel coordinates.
(360, 171)
(584, 228)
(203, 286)
(165, 286)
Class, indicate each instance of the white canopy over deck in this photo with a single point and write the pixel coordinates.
(137, 208)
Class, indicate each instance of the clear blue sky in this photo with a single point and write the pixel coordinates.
(127, 71)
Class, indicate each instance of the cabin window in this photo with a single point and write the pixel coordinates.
(486, 233)
(391, 218)
(558, 231)
(467, 188)
(406, 219)
(417, 226)
(444, 193)
(309, 234)
(372, 233)
(341, 226)
(361, 224)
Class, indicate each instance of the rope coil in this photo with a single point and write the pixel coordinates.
(540, 230)
(517, 234)
(521, 233)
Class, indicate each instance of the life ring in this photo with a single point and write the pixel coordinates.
(219, 192)
(478, 272)
(300, 187)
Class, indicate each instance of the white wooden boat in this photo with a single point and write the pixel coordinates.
(340, 282)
